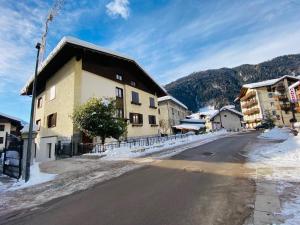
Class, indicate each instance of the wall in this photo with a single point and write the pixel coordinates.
(7, 129)
(230, 121)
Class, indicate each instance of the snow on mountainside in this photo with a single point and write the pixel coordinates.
(219, 87)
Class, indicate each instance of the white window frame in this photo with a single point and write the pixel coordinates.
(52, 93)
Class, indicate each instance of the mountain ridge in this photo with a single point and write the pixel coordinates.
(221, 86)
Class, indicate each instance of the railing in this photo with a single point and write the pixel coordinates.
(252, 111)
(250, 103)
(84, 148)
(249, 95)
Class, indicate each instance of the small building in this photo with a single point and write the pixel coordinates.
(8, 125)
(170, 112)
(74, 72)
(186, 125)
(268, 97)
(227, 118)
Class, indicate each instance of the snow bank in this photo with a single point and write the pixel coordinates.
(140, 151)
(276, 134)
(36, 177)
(280, 163)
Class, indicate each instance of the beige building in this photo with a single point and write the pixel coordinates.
(268, 97)
(8, 125)
(227, 118)
(171, 111)
(76, 71)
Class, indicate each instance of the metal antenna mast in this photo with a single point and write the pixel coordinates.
(57, 6)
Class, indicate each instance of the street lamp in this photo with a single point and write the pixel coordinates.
(29, 145)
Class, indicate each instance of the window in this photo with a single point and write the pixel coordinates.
(158, 111)
(120, 113)
(38, 124)
(132, 83)
(1, 140)
(152, 119)
(270, 95)
(152, 102)
(272, 103)
(172, 111)
(269, 89)
(49, 150)
(119, 92)
(136, 118)
(51, 120)
(135, 98)
(2, 127)
(225, 115)
(119, 77)
(52, 93)
(274, 113)
(40, 102)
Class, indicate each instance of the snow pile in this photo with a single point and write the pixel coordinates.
(280, 163)
(140, 151)
(36, 177)
(275, 134)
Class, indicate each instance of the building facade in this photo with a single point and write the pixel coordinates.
(76, 71)
(171, 111)
(227, 118)
(8, 125)
(268, 98)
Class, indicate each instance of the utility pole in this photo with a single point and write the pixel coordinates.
(29, 145)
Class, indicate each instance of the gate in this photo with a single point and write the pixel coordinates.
(12, 164)
(63, 150)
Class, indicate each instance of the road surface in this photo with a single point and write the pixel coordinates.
(205, 185)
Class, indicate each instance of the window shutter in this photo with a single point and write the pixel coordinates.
(54, 119)
(140, 118)
(131, 117)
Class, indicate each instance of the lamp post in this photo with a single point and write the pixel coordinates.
(29, 146)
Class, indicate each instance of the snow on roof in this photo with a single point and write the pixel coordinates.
(268, 82)
(185, 126)
(10, 117)
(72, 40)
(229, 108)
(193, 121)
(168, 97)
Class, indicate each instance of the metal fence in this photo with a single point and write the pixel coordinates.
(84, 148)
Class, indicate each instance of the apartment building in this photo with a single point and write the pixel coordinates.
(171, 111)
(76, 71)
(8, 125)
(268, 97)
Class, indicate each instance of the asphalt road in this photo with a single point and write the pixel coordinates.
(205, 185)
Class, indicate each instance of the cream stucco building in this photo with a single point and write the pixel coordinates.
(227, 118)
(268, 97)
(76, 71)
(8, 125)
(171, 111)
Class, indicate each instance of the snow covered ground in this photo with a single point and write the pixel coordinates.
(280, 163)
(125, 153)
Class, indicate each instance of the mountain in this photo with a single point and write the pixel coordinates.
(219, 87)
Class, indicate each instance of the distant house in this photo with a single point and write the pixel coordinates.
(76, 71)
(186, 125)
(8, 125)
(170, 112)
(228, 118)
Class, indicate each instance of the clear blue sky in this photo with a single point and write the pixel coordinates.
(170, 38)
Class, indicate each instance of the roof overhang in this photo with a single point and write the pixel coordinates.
(70, 47)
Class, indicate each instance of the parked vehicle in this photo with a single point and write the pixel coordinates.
(262, 126)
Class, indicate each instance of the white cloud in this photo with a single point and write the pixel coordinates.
(117, 8)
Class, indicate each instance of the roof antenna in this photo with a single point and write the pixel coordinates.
(57, 6)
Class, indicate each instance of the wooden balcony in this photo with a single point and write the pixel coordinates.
(252, 111)
(250, 94)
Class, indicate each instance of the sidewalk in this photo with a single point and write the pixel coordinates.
(79, 173)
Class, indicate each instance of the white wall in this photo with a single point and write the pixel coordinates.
(7, 128)
(230, 121)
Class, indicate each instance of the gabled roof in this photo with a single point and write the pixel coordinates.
(168, 97)
(12, 119)
(226, 108)
(78, 44)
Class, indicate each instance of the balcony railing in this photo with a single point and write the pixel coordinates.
(250, 94)
(252, 111)
(250, 103)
